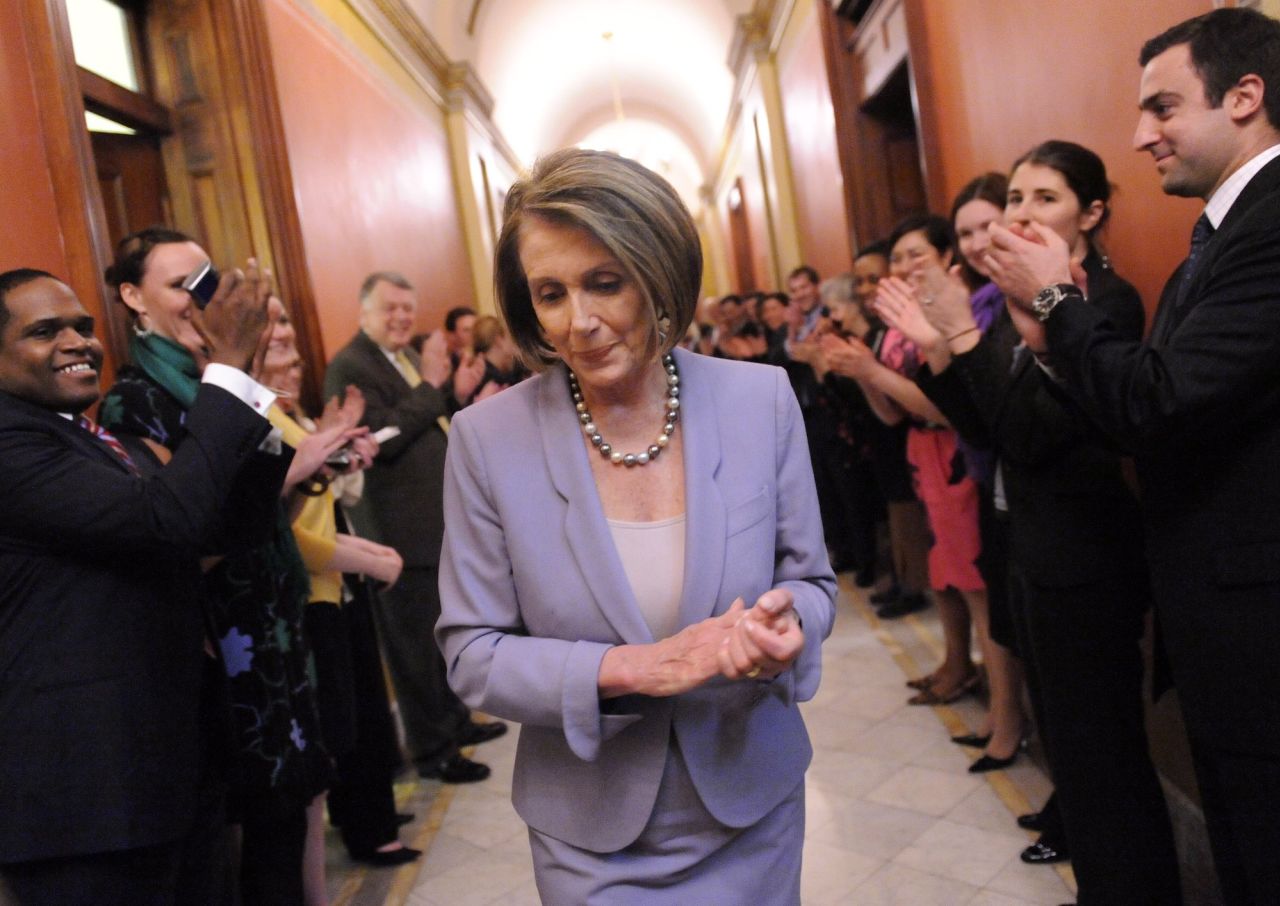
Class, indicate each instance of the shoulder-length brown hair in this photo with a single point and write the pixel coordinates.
(633, 212)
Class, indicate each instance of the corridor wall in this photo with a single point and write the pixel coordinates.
(370, 165)
(811, 140)
(995, 77)
(33, 237)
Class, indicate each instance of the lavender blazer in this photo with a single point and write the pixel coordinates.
(533, 593)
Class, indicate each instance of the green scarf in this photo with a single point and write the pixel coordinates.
(168, 364)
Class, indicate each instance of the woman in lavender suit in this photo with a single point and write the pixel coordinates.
(633, 563)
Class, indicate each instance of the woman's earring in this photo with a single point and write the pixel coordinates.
(140, 330)
(664, 330)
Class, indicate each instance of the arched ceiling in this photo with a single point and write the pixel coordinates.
(552, 73)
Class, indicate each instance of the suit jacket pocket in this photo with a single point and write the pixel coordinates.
(1247, 564)
(742, 516)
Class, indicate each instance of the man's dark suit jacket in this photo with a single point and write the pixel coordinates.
(101, 632)
(402, 505)
(1074, 519)
(1199, 406)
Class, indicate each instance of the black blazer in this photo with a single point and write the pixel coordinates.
(101, 633)
(1199, 405)
(402, 504)
(1074, 520)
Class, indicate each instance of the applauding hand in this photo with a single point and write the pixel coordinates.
(898, 305)
(848, 356)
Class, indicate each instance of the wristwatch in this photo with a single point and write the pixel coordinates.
(1048, 298)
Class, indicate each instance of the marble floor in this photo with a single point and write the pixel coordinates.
(893, 816)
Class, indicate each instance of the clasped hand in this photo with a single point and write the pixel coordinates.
(765, 639)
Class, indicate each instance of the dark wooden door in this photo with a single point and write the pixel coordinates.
(740, 240)
(131, 179)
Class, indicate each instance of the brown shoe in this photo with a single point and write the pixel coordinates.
(931, 695)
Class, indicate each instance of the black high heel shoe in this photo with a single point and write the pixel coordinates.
(972, 740)
(988, 763)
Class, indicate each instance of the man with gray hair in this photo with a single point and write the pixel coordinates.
(402, 507)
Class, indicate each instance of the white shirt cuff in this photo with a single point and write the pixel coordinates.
(239, 385)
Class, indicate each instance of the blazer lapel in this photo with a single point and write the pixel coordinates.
(704, 534)
(377, 359)
(75, 436)
(585, 527)
(1174, 305)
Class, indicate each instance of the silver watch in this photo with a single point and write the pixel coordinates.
(1048, 298)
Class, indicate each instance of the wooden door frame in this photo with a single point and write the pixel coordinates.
(246, 74)
(867, 221)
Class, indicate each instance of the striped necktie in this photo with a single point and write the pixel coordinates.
(1201, 233)
(110, 440)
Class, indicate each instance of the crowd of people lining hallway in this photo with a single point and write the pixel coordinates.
(202, 586)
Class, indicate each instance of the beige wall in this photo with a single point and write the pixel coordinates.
(811, 141)
(371, 171)
(998, 76)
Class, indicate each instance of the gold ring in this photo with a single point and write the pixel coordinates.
(753, 672)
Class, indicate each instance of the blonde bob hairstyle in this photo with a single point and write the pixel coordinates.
(486, 331)
(631, 211)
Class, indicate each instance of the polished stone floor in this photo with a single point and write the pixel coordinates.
(893, 816)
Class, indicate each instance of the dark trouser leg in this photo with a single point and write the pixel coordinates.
(1085, 642)
(1241, 796)
(204, 858)
(825, 456)
(1219, 629)
(432, 714)
(271, 856)
(864, 509)
(362, 801)
(1016, 591)
(131, 877)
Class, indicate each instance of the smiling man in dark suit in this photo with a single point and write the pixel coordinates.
(104, 752)
(402, 507)
(1198, 404)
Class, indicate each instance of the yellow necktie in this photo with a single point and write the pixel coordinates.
(411, 375)
(406, 368)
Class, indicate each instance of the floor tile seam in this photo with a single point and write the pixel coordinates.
(1005, 789)
(358, 874)
(406, 877)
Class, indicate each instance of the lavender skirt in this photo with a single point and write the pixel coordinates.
(683, 856)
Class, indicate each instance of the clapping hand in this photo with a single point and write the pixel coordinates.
(848, 356)
(235, 326)
(898, 305)
(1025, 259)
(434, 367)
(467, 377)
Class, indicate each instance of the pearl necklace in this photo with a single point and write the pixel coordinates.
(617, 457)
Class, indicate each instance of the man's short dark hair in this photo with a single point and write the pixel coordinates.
(455, 315)
(880, 247)
(395, 278)
(11, 280)
(1226, 45)
(804, 270)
